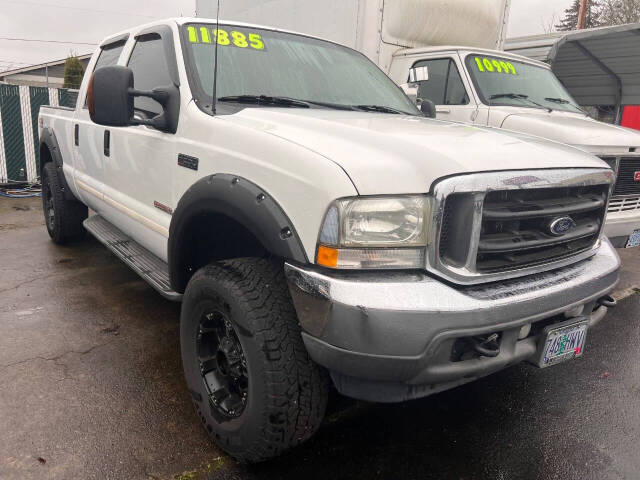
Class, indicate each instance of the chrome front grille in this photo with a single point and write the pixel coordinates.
(624, 204)
(516, 225)
(626, 193)
(492, 226)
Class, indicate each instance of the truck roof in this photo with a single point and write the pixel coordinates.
(184, 20)
(458, 48)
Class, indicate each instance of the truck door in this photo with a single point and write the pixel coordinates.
(138, 182)
(446, 88)
(88, 138)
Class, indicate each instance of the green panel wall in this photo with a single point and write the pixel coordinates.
(39, 96)
(12, 131)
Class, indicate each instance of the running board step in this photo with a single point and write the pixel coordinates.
(153, 270)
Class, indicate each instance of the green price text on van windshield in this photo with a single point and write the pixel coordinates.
(493, 65)
(225, 37)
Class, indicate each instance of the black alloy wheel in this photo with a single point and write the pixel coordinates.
(223, 366)
(49, 210)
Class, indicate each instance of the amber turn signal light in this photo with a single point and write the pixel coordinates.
(327, 257)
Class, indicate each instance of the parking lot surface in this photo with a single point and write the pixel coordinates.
(92, 388)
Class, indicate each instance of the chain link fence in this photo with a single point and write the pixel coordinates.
(19, 107)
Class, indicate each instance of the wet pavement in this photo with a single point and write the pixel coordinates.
(91, 388)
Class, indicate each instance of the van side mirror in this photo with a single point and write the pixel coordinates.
(110, 97)
(418, 74)
(428, 108)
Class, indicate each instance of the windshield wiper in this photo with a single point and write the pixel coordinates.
(284, 101)
(265, 100)
(336, 106)
(518, 96)
(294, 102)
(508, 95)
(379, 108)
(557, 100)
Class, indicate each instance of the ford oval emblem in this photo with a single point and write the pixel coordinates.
(561, 225)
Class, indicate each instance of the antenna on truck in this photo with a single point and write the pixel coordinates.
(215, 63)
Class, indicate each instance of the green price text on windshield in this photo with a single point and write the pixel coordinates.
(225, 38)
(493, 65)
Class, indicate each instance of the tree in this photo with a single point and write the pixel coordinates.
(549, 25)
(618, 12)
(73, 72)
(570, 20)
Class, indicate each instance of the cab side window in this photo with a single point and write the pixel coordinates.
(150, 70)
(444, 86)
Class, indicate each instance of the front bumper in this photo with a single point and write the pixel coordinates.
(620, 225)
(389, 336)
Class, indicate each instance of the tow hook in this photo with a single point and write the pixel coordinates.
(607, 301)
(487, 346)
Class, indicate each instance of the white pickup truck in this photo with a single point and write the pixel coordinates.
(476, 84)
(318, 228)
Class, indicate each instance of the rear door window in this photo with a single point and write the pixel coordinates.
(109, 56)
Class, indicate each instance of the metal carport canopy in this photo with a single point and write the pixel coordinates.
(599, 66)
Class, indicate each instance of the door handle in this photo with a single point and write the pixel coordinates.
(107, 143)
(443, 110)
(76, 134)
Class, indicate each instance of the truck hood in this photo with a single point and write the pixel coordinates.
(573, 129)
(387, 154)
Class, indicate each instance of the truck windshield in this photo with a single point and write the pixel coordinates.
(258, 67)
(502, 81)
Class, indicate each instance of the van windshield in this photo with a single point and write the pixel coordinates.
(503, 81)
(255, 63)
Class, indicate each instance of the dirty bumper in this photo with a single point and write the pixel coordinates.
(395, 336)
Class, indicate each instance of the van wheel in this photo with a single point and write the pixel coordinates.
(63, 217)
(255, 388)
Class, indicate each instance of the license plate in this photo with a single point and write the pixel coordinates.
(563, 343)
(634, 239)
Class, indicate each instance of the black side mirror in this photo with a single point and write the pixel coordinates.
(428, 108)
(110, 97)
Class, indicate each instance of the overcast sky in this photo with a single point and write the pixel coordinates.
(88, 21)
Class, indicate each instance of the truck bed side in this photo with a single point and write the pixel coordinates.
(59, 122)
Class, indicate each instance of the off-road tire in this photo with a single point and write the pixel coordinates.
(66, 224)
(287, 392)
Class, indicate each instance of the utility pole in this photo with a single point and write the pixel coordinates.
(582, 14)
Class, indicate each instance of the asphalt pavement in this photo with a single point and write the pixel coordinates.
(91, 387)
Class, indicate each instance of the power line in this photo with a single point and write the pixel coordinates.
(2, 60)
(68, 7)
(10, 39)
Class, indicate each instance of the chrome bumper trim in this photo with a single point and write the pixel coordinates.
(407, 314)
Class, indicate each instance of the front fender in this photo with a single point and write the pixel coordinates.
(242, 201)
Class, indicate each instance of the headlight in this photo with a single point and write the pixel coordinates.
(377, 232)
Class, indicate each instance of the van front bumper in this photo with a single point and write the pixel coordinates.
(389, 336)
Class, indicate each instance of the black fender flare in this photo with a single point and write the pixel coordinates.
(48, 139)
(240, 200)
